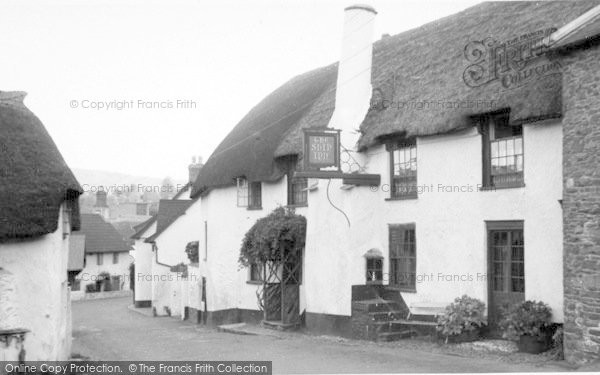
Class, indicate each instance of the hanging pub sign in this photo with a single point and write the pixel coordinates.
(321, 149)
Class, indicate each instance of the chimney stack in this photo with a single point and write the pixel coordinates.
(194, 168)
(353, 91)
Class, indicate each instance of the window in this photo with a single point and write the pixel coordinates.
(374, 270)
(256, 272)
(297, 194)
(115, 258)
(403, 170)
(255, 195)
(242, 192)
(502, 153)
(403, 257)
(249, 194)
(99, 259)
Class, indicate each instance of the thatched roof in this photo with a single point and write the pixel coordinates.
(169, 210)
(100, 236)
(425, 64)
(35, 180)
(249, 148)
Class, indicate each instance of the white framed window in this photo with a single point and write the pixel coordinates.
(242, 192)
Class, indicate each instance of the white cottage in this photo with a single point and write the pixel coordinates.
(451, 177)
(107, 259)
(38, 211)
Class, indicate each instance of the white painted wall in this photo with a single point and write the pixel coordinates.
(227, 285)
(450, 226)
(170, 251)
(39, 268)
(91, 271)
(142, 256)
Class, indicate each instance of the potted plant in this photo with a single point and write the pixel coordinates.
(462, 320)
(528, 323)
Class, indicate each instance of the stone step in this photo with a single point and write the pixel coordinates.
(376, 305)
(278, 325)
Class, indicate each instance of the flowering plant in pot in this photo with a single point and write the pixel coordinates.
(528, 323)
(462, 320)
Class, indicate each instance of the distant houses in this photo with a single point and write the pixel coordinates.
(107, 259)
(38, 212)
(457, 176)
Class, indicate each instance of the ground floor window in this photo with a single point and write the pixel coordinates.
(403, 257)
(374, 270)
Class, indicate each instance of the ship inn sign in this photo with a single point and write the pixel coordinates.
(322, 152)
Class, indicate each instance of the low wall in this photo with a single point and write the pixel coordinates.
(81, 296)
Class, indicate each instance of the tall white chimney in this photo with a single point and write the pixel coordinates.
(353, 92)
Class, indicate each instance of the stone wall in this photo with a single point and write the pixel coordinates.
(581, 204)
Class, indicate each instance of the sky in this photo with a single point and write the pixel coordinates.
(139, 87)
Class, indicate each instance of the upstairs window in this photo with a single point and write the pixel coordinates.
(249, 194)
(403, 169)
(242, 192)
(255, 195)
(297, 191)
(115, 258)
(99, 259)
(503, 153)
(66, 220)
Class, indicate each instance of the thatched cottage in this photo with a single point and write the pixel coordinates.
(461, 143)
(38, 211)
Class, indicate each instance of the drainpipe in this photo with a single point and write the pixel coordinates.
(155, 250)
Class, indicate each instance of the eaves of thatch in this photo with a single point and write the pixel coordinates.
(34, 178)
(420, 71)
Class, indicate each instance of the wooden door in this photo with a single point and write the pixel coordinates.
(506, 281)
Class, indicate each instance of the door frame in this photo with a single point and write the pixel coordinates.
(496, 225)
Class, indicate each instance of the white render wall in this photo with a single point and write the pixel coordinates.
(170, 251)
(142, 256)
(450, 226)
(39, 269)
(227, 285)
(89, 274)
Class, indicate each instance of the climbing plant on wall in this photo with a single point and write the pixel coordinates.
(270, 243)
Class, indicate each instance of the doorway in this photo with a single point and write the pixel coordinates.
(506, 267)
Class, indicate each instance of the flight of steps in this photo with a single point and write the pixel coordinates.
(385, 319)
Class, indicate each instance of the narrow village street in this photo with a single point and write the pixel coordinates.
(108, 330)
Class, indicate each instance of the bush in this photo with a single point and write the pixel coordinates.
(465, 314)
(528, 318)
(279, 232)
